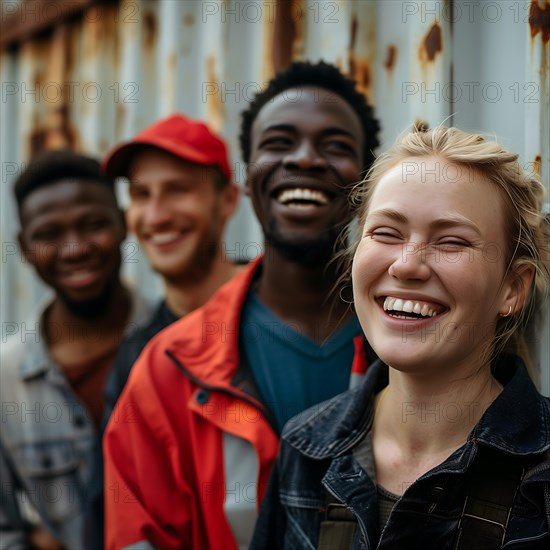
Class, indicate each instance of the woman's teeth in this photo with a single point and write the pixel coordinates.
(408, 306)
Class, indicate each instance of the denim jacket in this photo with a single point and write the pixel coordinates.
(47, 440)
(316, 457)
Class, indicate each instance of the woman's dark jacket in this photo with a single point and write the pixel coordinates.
(316, 460)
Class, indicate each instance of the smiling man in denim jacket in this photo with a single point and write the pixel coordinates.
(54, 367)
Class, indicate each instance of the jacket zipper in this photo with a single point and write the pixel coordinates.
(221, 389)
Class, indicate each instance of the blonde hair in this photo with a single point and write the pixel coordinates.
(522, 194)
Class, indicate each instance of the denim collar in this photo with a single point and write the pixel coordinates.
(331, 428)
(517, 422)
(37, 360)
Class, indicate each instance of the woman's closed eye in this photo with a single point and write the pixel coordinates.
(455, 242)
(385, 235)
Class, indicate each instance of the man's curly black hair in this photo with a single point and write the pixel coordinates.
(323, 75)
(52, 166)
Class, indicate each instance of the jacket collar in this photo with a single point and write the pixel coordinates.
(37, 359)
(517, 422)
(206, 342)
(331, 428)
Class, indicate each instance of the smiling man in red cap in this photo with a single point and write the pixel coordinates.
(181, 196)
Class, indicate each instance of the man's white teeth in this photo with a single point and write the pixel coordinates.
(299, 194)
(408, 306)
(163, 238)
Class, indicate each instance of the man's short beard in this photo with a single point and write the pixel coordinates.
(94, 307)
(202, 260)
(314, 252)
(203, 257)
(200, 264)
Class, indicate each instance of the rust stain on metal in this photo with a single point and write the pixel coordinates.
(64, 134)
(284, 35)
(169, 88)
(52, 127)
(92, 38)
(58, 54)
(360, 71)
(40, 78)
(353, 32)
(362, 74)
(299, 19)
(72, 47)
(214, 105)
(539, 20)
(36, 141)
(432, 44)
(120, 119)
(32, 18)
(56, 133)
(391, 55)
(359, 68)
(110, 31)
(150, 30)
(537, 166)
(188, 19)
(267, 45)
(351, 48)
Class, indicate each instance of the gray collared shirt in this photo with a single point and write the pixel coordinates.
(47, 439)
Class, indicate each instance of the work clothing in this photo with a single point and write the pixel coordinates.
(317, 459)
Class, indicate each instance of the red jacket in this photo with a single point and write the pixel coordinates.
(189, 449)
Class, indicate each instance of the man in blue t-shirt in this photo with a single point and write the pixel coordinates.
(306, 139)
(181, 197)
(214, 389)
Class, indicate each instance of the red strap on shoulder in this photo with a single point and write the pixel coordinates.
(360, 363)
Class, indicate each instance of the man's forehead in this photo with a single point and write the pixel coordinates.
(301, 102)
(68, 191)
(149, 158)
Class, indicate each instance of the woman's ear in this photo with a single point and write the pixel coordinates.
(517, 292)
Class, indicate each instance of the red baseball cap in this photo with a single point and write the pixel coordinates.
(185, 138)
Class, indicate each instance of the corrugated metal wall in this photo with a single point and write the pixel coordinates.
(103, 71)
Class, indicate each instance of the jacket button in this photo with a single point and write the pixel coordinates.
(202, 397)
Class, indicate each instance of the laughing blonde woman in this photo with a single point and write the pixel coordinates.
(446, 445)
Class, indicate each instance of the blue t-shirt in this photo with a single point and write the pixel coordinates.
(291, 371)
